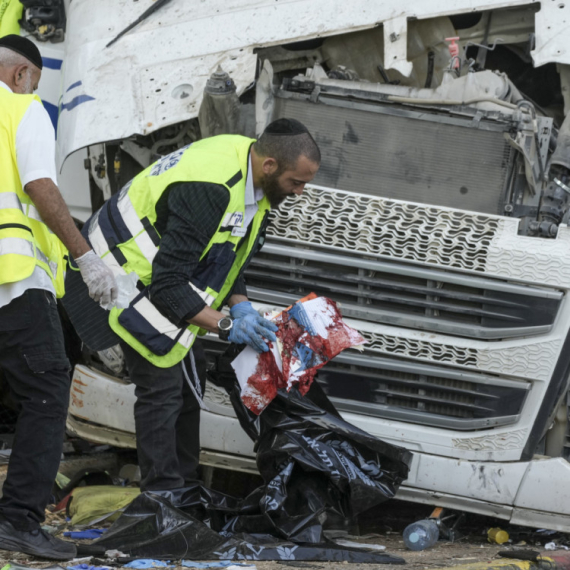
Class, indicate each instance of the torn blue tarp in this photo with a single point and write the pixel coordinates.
(89, 533)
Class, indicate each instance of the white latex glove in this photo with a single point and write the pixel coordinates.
(99, 279)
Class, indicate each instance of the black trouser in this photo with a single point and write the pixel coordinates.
(36, 369)
(167, 419)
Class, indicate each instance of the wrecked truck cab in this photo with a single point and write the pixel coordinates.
(438, 218)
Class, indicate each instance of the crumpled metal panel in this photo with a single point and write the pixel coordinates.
(106, 91)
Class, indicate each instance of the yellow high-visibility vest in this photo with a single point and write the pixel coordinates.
(25, 240)
(123, 234)
(10, 15)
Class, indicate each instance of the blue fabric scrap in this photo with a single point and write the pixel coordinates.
(89, 533)
(149, 563)
(87, 567)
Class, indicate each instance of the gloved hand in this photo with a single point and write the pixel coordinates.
(241, 310)
(99, 279)
(251, 329)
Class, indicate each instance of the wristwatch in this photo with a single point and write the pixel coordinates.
(225, 325)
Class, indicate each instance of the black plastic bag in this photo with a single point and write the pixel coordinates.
(151, 527)
(319, 472)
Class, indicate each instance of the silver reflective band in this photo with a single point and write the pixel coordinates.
(11, 201)
(207, 298)
(17, 246)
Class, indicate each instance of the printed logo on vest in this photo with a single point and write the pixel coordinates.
(232, 219)
(168, 161)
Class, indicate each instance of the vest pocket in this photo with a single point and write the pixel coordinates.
(213, 269)
(147, 325)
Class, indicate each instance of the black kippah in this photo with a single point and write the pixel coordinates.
(24, 47)
(286, 127)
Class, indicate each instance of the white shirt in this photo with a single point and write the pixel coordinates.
(252, 196)
(35, 154)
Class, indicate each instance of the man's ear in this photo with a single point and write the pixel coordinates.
(269, 165)
(19, 76)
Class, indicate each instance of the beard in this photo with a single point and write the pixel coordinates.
(273, 191)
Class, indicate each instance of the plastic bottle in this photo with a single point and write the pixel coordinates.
(421, 535)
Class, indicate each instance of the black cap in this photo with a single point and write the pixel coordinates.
(285, 127)
(24, 47)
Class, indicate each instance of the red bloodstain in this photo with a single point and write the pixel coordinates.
(267, 379)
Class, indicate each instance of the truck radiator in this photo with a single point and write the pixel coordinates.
(408, 154)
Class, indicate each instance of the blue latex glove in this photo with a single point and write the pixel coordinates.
(241, 310)
(251, 329)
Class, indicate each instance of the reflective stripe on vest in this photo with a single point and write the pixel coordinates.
(10, 200)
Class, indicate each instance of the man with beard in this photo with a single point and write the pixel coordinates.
(188, 226)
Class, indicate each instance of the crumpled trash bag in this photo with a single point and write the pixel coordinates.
(317, 467)
(319, 472)
(151, 527)
(89, 505)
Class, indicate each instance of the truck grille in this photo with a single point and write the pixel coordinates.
(401, 295)
(391, 388)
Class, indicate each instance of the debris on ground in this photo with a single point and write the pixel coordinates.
(93, 504)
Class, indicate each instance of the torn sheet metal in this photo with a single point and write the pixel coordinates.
(134, 86)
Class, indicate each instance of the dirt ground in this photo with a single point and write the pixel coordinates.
(384, 525)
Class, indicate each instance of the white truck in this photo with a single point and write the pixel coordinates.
(438, 218)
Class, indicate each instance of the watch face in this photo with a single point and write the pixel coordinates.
(225, 324)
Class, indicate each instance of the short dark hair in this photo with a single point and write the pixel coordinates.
(286, 140)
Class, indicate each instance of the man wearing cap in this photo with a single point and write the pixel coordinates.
(33, 220)
(207, 207)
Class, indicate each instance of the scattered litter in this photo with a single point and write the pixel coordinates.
(362, 545)
(421, 535)
(80, 561)
(130, 473)
(497, 536)
(309, 334)
(93, 504)
(149, 563)
(531, 555)
(546, 531)
(89, 533)
(555, 546)
(114, 554)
